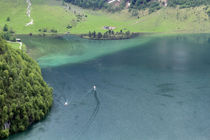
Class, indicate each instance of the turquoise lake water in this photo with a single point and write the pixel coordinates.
(148, 88)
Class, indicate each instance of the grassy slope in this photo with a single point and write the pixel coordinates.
(46, 14)
(174, 20)
(16, 45)
(50, 14)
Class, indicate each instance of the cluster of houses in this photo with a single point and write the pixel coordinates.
(164, 2)
(109, 28)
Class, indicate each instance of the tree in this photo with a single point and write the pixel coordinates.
(69, 27)
(94, 34)
(45, 30)
(134, 12)
(8, 18)
(208, 12)
(4, 133)
(112, 32)
(127, 33)
(5, 29)
(99, 35)
(90, 34)
(1, 100)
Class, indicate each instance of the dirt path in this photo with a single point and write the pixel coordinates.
(21, 44)
(28, 13)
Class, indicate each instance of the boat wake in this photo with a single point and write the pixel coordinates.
(66, 100)
(95, 111)
(93, 115)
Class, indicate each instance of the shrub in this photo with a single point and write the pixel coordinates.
(44, 30)
(134, 12)
(4, 133)
(208, 12)
(13, 39)
(11, 31)
(53, 31)
(5, 29)
(69, 27)
(8, 18)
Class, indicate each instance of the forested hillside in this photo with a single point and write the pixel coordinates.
(24, 96)
(88, 3)
(188, 3)
(139, 4)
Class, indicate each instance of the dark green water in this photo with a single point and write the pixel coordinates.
(149, 88)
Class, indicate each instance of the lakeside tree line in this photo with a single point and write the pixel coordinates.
(25, 97)
(109, 35)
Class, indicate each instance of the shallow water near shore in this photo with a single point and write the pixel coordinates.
(154, 88)
(68, 49)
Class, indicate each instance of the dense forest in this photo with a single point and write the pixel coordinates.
(88, 3)
(155, 5)
(139, 4)
(142, 4)
(188, 3)
(24, 96)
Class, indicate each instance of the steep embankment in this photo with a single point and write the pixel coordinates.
(24, 96)
(51, 16)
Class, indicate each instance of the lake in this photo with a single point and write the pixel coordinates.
(148, 88)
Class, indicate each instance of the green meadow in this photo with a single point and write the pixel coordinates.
(52, 14)
(45, 14)
(16, 45)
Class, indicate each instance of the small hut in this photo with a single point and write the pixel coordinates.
(18, 40)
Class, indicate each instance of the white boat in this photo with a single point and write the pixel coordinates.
(94, 88)
(66, 103)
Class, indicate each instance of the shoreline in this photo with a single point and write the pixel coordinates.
(112, 37)
(139, 33)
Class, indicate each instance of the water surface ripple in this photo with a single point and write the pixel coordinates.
(159, 90)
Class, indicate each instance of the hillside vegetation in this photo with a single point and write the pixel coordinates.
(24, 96)
(187, 3)
(137, 4)
(51, 16)
(88, 3)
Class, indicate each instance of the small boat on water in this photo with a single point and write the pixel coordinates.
(94, 88)
(66, 103)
